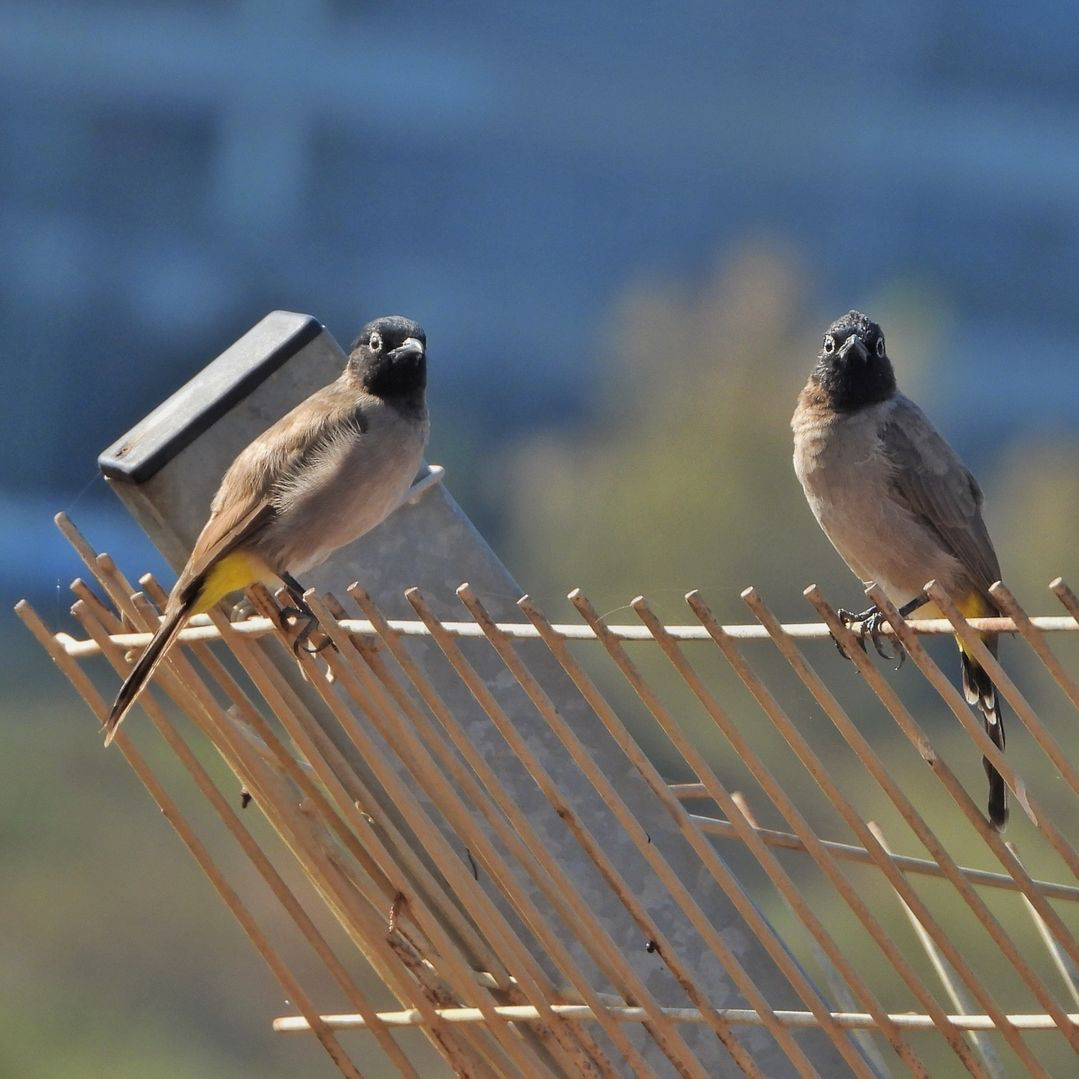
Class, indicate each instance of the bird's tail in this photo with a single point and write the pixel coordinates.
(147, 663)
(979, 690)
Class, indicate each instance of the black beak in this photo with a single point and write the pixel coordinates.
(411, 349)
(854, 342)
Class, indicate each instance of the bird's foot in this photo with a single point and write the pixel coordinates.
(869, 622)
(849, 618)
(241, 610)
(309, 622)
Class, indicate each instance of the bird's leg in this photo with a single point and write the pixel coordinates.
(920, 600)
(300, 611)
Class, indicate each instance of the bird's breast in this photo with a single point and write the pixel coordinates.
(841, 466)
(359, 478)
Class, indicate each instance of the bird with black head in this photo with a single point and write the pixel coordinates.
(896, 501)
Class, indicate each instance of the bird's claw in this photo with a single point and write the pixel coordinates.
(870, 623)
(301, 644)
(310, 624)
(848, 618)
(895, 652)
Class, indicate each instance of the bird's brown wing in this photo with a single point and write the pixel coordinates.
(928, 478)
(244, 503)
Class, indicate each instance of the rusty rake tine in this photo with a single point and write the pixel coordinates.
(530, 978)
(600, 782)
(260, 862)
(290, 765)
(428, 742)
(300, 724)
(764, 933)
(1036, 639)
(749, 832)
(890, 699)
(292, 988)
(717, 868)
(515, 831)
(604, 788)
(950, 695)
(1004, 684)
(448, 907)
(839, 986)
(959, 998)
(666, 1035)
(119, 590)
(1066, 968)
(292, 769)
(746, 827)
(869, 759)
(363, 925)
(812, 763)
(1059, 587)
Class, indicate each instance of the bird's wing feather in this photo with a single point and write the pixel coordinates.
(245, 502)
(928, 478)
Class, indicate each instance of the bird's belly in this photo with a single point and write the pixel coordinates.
(874, 542)
(878, 538)
(365, 489)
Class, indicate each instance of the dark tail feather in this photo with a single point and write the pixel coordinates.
(140, 674)
(980, 691)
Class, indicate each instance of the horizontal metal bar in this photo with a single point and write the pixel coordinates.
(927, 867)
(199, 628)
(526, 1013)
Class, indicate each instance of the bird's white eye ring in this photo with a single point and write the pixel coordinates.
(829, 344)
(880, 347)
(376, 342)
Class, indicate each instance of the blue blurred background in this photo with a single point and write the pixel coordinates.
(624, 227)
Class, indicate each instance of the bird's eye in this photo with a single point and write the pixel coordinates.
(880, 347)
(829, 344)
(376, 342)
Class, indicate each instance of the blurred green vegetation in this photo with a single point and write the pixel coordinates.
(119, 959)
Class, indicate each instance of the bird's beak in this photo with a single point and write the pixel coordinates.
(411, 349)
(853, 342)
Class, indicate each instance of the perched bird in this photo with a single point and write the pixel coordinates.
(323, 475)
(895, 500)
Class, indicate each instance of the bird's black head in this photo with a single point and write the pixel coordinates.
(853, 368)
(389, 356)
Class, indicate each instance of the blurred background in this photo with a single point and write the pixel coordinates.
(624, 229)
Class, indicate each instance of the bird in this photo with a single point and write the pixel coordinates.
(896, 502)
(320, 477)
